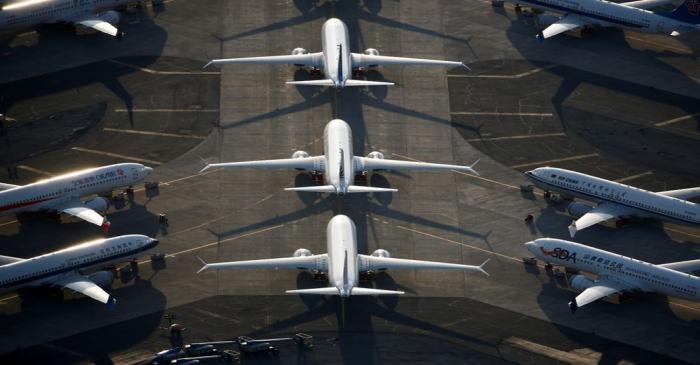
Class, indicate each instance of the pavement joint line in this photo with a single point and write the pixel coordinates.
(676, 120)
(550, 352)
(504, 114)
(662, 46)
(525, 136)
(156, 72)
(149, 133)
(516, 76)
(174, 254)
(65, 350)
(632, 177)
(8, 223)
(167, 183)
(31, 169)
(164, 110)
(563, 159)
(110, 154)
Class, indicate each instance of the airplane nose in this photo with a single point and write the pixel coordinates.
(530, 246)
(148, 170)
(154, 242)
(529, 173)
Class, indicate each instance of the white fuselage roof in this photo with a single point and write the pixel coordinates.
(341, 239)
(19, 14)
(335, 43)
(337, 149)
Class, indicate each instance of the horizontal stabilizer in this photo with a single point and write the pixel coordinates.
(4, 260)
(331, 290)
(326, 82)
(369, 291)
(314, 189)
(7, 186)
(688, 267)
(352, 82)
(369, 189)
(683, 194)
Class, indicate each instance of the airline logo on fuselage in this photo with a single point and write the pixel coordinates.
(98, 177)
(559, 253)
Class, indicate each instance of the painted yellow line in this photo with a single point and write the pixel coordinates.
(504, 114)
(632, 177)
(36, 171)
(8, 223)
(122, 110)
(148, 133)
(156, 72)
(116, 155)
(676, 120)
(506, 138)
(563, 159)
(517, 76)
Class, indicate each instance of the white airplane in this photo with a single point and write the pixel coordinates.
(616, 273)
(336, 59)
(600, 13)
(63, 268)
(615, 200)
(338, 164)
(98, 15)
(342, 263)
(62, 193)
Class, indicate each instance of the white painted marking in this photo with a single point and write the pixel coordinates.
(110, 154)
(148, 133)
(528, 136)
(156, 72)
(193, 110)
(632, 177)
(676, 120)
(517, 76)
(504, 114)
(36, 171)
(563, 159)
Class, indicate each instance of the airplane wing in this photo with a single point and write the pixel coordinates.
(645, 4)
(684, 194)
(371, 263)
(565, 24)
(4, 260)
(599, 214)
(689, 267)
(354, 291)
(82, 285)
(601, 289)
(308, 59)
(316, 163)
(79, 210)
(363, 60)
(313, 262)
(8, 186)
(101, 25)
(365, 163)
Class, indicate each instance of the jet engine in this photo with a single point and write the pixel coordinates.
(299, 51)
(381, 253)
(371, 52)
(581, 282)
(98, 204)
(545, 20)
(102, 278)
(300, 154)
(577, 210)
(111, 17)
(376, 155)
(302, 252)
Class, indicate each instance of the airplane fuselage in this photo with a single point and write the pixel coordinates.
(50, 193)
(46, 269)
(337, 59)
(609, 14)
(29, 13)
(341, 239)
(625, 270)
(339, 169)
(646, 203)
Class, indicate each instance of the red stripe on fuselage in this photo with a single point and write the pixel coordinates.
(25, 204)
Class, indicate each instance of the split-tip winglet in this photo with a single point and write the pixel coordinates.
(572, 229)
(481, 267)
(208, 64)
(472, 167)
(206, 266)
(465, 66)
(205, 168)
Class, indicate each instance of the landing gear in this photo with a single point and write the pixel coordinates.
(547, 194)
(518, 8)
(548, 267)
(319, 276)
(317, 178)
(573, 306)
(315, 72)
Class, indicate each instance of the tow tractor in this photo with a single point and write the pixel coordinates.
(248, 345)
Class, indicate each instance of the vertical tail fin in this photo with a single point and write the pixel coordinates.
(688, 12)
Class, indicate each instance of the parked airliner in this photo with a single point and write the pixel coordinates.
(616, 273)
(335, 59)
(63, 268)
(95, 14)
(342, 263)
(338, 164)
(63, 193)
(615, 200)
(629, 15)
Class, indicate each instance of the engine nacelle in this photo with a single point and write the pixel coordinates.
(102, 278)
(376, 155)
(300, 154)
(299, 51)
(381, 253)
(581, 282)
(302, 252)
(371, 52)
(545, 20)
(98, 204)
(577, 210)
(111, 17)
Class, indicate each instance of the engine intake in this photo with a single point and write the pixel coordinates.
(381, 253)
(98, 204)
(300, 154)
(371, 52)
(103, 279)
(111, 17)
(545, 20)
(376, 155)
(581, 282)
(302, 252)
(577, 210)
(299, 51)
